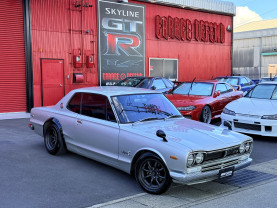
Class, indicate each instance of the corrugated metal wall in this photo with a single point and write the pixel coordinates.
(202, 60)
(248, 49)
(58, 28)
(12, 57)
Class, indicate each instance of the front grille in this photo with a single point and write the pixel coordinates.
(221, 153)
(248, 115)
(247, 126)
(219, 165)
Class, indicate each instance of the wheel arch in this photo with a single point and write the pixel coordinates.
(140, 153)
(49, 121)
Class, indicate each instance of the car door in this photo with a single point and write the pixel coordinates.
(222, 98)
(244, 84)
(159, 85)
(97, 130)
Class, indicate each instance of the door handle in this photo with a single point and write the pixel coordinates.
(61, 85)
(79, 121)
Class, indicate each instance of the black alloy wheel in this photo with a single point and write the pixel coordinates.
(152, 175)
(206, 114)
(53, 140)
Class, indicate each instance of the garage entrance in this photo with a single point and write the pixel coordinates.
(52, 81)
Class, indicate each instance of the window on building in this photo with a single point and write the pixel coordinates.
(167, 68)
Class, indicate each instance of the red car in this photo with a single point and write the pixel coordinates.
(203, 100)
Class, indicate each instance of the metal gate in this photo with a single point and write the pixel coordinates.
(12, 57)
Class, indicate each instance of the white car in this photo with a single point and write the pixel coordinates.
(255, 113)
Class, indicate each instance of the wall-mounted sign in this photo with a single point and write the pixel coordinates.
(185, 29)
(121, 41)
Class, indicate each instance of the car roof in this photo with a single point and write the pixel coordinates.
(230, 76)
(115, 90)
(271, 82)
(208, 81)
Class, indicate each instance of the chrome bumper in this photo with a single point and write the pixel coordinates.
(201, 177)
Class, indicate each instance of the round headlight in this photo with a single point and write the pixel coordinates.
(190, 160)
(199, 157)
(241, 148)
(247, 146)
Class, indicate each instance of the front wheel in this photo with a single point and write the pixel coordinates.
(152, 174)
(206, 114)
(53, 140)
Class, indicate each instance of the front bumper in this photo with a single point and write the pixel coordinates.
(201, 177)
(250, 125)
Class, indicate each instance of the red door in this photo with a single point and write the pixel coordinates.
(52, 79)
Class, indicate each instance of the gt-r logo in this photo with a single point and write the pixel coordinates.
(125, 43)
(121, 36)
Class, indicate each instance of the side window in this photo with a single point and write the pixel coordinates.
(244, 81)
(97, 106)
(229, 88)
(221, 88)
(249, 80)
(159, 84)
(75, 103)
(168, 83)
(110, 114)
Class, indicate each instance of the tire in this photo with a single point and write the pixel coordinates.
(206, 114)
(53, 140)
(152, 174)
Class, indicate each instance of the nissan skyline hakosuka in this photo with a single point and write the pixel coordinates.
(141, 132)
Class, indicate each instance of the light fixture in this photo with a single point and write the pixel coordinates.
(229, 29)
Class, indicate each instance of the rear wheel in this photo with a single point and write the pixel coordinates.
(206, 114)
(53, 140)
(152, 174)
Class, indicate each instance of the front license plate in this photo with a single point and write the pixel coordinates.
(228, 172)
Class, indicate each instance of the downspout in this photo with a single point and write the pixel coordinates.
(28, 54)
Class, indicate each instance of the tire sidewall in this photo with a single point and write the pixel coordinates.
(201, 118)
(59, 147)
(138, 164)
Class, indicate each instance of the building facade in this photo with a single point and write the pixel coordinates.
(49, 47)
(255, 49)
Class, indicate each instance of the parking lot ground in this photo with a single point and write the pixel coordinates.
(30, 177)
(260, 193)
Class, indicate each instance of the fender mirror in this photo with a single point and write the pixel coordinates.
(216, 94)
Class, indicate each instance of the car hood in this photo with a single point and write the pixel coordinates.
(253, 106)
(185, 100)
(192, 134)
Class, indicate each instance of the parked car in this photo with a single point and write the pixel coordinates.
(265, 79)
(244, 82)
(203, 100)
(154, 83)
(140, 132)
(255, 113)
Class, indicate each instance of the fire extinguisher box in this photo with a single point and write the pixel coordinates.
(78, 78)
(77, 61)
(89, 61)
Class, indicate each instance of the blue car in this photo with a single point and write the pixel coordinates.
(154, 83)
(245, 83)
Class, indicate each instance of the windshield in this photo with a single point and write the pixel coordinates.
(197, 88)
(132, 108)
(263, 91)
(134, 82)
(229, 80)
(264, 79)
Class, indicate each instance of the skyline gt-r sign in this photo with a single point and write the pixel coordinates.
(121, 41)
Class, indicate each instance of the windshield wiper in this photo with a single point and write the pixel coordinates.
(174, 116)
(147, 119)
(191, 85)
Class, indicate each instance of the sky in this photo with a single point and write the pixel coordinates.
(254, 10)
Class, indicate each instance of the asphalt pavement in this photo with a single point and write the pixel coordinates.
(30, 177)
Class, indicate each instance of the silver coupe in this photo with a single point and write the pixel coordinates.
(139, 131)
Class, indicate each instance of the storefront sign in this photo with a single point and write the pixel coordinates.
(121, 41)
(186, 30)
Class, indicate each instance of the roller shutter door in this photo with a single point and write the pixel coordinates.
(12, 57)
